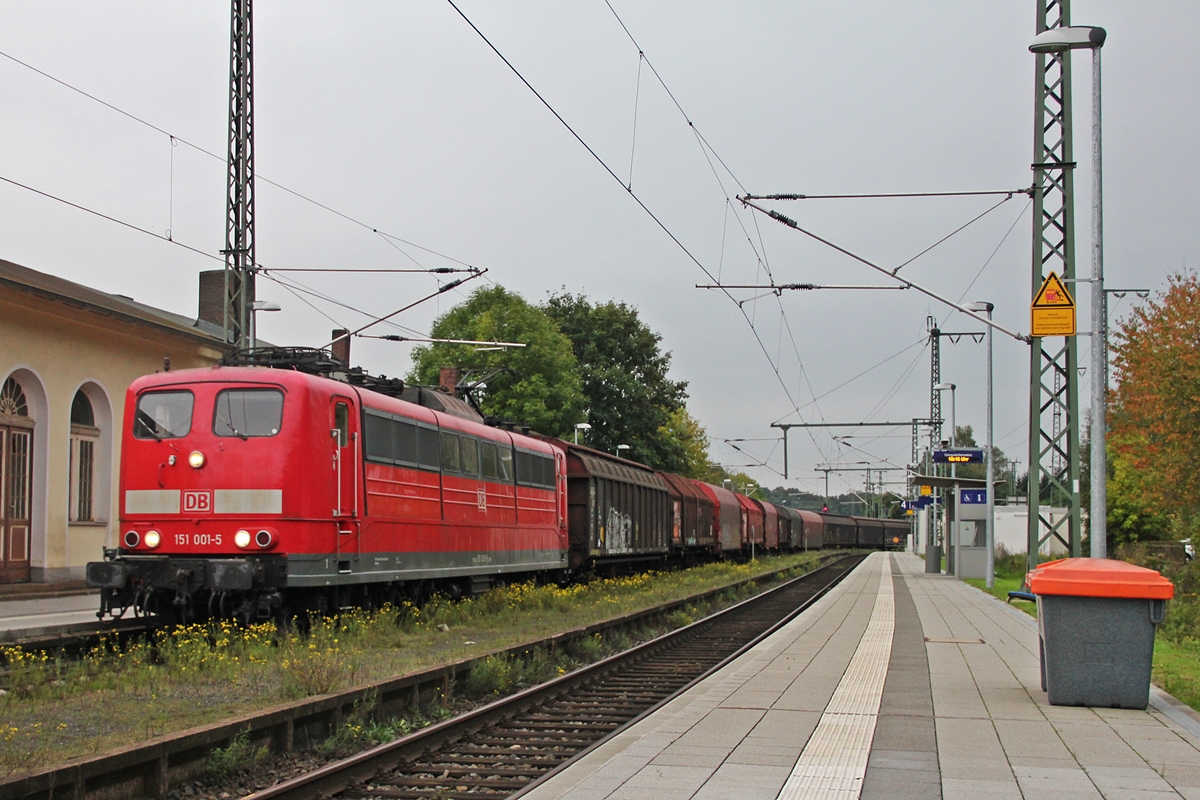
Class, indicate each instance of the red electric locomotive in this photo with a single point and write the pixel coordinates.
(250, 492)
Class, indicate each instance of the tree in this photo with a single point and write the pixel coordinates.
(1154, 414)
(630, 399)
(685, 443)
(537, 385)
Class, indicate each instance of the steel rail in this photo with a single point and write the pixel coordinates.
(339, 776)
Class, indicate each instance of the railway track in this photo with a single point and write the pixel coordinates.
(502, 749)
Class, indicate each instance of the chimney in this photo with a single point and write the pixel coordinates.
(448, 380)
(212, 297)
(341, 348)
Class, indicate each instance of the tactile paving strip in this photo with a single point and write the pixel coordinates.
(834, 761)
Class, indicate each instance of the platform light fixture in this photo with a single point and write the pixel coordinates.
(581, 426)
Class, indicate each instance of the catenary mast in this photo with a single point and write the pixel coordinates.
(1053, 365)
(239, 201)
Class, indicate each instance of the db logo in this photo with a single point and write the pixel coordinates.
(197, 502)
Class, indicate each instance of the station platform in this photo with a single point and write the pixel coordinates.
(23, 619)
(895, 685)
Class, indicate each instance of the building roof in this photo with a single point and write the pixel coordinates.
(14, 277)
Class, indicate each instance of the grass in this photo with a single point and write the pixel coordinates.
(53, 709)
(1009, 577)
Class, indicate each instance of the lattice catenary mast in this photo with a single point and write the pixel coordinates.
(1053, 367)
(239, 201)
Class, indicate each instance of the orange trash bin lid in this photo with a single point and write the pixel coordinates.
(1099, 577)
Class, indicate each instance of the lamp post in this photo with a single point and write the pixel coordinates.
(581, 426)
(255, 307)
(1057, 40)
(989, 573)
(948, 536)
(621, 447)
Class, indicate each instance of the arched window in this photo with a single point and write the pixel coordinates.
(84, 436)
(12, 400)
(81, 410)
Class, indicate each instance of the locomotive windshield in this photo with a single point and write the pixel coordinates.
(248, 412)
(163, 415)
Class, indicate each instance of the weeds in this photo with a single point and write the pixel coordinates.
(56, 709)
(240, 755)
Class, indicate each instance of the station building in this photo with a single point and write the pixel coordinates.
(69, 354)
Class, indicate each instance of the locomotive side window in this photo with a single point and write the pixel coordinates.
(404, 442)
(377, 438)
(395, 440)
(251, 412)
(489, 460)
(469, 448)
(163, 415)
(449, 452)
(428, 448)
(534, 469)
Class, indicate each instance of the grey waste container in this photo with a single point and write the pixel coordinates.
(1096, 622)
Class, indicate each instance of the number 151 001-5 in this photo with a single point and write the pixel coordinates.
(186, 539)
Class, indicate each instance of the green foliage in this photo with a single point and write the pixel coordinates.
(538, 384)
(360, 730)
(630, 399)
(685, 444)
(240, 755)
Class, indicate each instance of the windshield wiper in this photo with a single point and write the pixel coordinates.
(236, 432)
(151, 426)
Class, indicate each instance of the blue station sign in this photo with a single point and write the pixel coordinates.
(973, 497)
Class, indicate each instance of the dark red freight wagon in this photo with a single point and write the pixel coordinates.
(770, 525)
(692, 515)
(727, 517)
(839, 531)
(752, 523)
(813, 535)
(870, 532)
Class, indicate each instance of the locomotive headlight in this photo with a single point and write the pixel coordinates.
(264, 539)
(242, 538)
(196, 459)
(153, 539)
(132, 539)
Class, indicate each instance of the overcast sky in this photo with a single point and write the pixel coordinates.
(398, 116)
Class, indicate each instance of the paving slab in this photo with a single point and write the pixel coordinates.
(961, 714)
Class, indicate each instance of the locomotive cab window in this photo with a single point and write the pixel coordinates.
(163, 415)
(341, 422)
(253, 412)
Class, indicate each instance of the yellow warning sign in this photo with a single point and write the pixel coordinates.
(926, 490)
(1053, 310)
